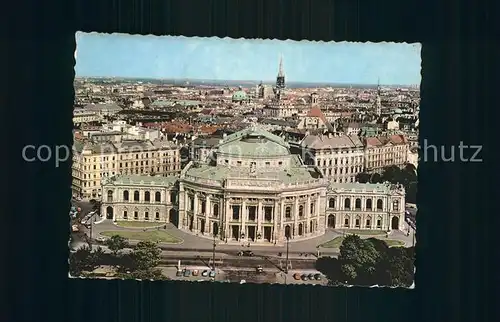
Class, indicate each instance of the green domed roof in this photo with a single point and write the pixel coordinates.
(239, 96)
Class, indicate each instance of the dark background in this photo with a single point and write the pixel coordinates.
(456, 246)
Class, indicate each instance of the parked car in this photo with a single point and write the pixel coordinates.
(196, 272)
(317, 277)
(296, 276)
(179, 273)
(212, 274)
(248, 253)
(204, 273)
(304, 277)
(310, 277)
(187, 273)
(259, 269)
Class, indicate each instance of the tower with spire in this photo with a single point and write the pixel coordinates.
(378, 101)
(280, 79)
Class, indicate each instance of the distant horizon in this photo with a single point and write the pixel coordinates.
(240, 80)
(168, 57)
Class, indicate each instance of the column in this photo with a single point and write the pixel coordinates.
(195, 212)
(227, 214)
(276, 217)
(282, 218)
(296, 217)
(320, 223)
(308, 215)
(208, 211)
(260, 217)
(243, 214)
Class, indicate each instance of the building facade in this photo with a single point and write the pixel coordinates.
(383, 151)
(254, 190)
(93, 161)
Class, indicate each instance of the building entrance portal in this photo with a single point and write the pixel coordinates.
(202, 226)
(331, 221)
(215, 229)
(395, 223)
(173, 218)
(288, 231)
(235, 232)
(109, 212)
(267, 233)
(191, 222)
(251, 233)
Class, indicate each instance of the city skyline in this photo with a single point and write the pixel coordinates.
(166, 57)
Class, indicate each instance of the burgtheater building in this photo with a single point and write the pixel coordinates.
(252, 189)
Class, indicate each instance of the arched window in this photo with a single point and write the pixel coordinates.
(125, 195)
(157, 196)
(216, 210)
(136, 195)
(369, 204)
(331, 203)
(358, 204)
(347, 203)
(380, 204)
(301, 211)
(288, 212)
(110, 195)
(147, 196)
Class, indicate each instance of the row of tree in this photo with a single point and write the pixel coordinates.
(367, 262)
(140, 263)
(406, 176)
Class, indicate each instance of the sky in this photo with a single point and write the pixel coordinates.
(166, 57)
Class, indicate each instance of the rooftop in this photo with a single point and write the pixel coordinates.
(140, 180)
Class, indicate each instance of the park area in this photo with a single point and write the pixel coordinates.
(151, 235)
(138, 224)
(336, 242)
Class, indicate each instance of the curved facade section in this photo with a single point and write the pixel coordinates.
(250, 197)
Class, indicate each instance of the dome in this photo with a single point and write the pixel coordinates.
(239, 96)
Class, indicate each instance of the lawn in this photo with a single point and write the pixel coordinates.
(336, 242)
(153, 235)
(138, 224)
(365, 232)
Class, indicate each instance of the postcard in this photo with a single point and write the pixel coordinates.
(244, 161)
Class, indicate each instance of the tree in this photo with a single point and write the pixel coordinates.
(400, 264)
(116, 243)
(358, 258)
(146, 255)
(152, 274)
(363, 177)
(84, 259)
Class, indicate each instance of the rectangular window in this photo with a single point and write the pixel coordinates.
(136, 215)
(124, 214)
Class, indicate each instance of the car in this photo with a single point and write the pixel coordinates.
(243, 282)
(317, 277)
(310, 277)
(196, 272)
(204, 273)
(101, 239)
(247, 253)
(296, 276)
(212, 274)
(304, 277)
(187, 273)
(179, 273)
(259, 269)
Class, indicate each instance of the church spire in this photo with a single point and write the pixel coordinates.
(281, 72)
(280, 79)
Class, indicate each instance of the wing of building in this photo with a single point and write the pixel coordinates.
(252, 189)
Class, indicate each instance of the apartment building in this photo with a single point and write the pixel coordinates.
(82, 116)
(340, 157)
(384, 151)
(93, 161)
